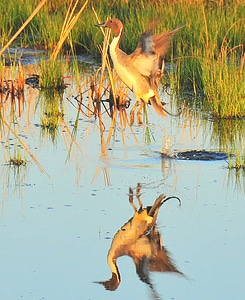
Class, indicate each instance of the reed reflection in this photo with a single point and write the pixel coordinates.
(52, 112)
(140, 239)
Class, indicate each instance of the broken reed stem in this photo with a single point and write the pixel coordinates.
(20, 78)
(36, 10)
(69, 22)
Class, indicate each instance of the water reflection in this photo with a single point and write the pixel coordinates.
(140, 239)
(52, 112)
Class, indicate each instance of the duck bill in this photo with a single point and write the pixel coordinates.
(100, 25)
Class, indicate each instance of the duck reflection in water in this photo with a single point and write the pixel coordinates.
(140, 239)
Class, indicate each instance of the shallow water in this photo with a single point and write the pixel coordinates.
(57, 226)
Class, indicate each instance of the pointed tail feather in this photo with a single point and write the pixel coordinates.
(158, 107)
(160, 110)
(159, 202)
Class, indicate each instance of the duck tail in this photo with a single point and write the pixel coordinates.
(160, 110)
(159, 202)
(156, 205)
(157, 105)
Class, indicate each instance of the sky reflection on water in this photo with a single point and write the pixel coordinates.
(56, 231)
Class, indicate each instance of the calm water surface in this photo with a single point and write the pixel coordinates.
(56, 229)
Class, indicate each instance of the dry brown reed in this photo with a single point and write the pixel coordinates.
(69, 22)
(12, 84)
(106, 175)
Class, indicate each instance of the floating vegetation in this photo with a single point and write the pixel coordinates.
(17, 161)
(236, 161)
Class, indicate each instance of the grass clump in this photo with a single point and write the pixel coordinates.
(52, 74)
(17, 161)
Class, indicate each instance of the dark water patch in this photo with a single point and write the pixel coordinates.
(33, 81)
(203, 155)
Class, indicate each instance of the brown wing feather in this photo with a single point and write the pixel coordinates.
(148, 56)
(161, 41)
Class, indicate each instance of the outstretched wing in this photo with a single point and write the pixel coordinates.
(148, 56)
(144, 58)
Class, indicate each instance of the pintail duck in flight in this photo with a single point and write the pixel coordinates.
(142, 70)
(139, 239)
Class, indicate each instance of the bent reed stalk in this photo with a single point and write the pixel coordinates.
(40, 5)
(69, 22)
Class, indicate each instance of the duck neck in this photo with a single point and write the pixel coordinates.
(113, 283)
(116, 40)
(113, 266)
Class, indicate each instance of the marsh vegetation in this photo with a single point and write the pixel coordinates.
(205, 65)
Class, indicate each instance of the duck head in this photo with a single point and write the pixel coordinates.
(114, 24)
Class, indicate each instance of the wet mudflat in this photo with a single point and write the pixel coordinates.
(58, 220)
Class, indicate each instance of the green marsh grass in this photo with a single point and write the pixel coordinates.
(5, 28)
(224, 86)
(207, 57)
(196, 47)
(237, 161)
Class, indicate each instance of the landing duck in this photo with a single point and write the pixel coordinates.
(141, 70)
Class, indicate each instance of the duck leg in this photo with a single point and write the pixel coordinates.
(131, 198)
(132, 112)
(138, 194)
(139, 113)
